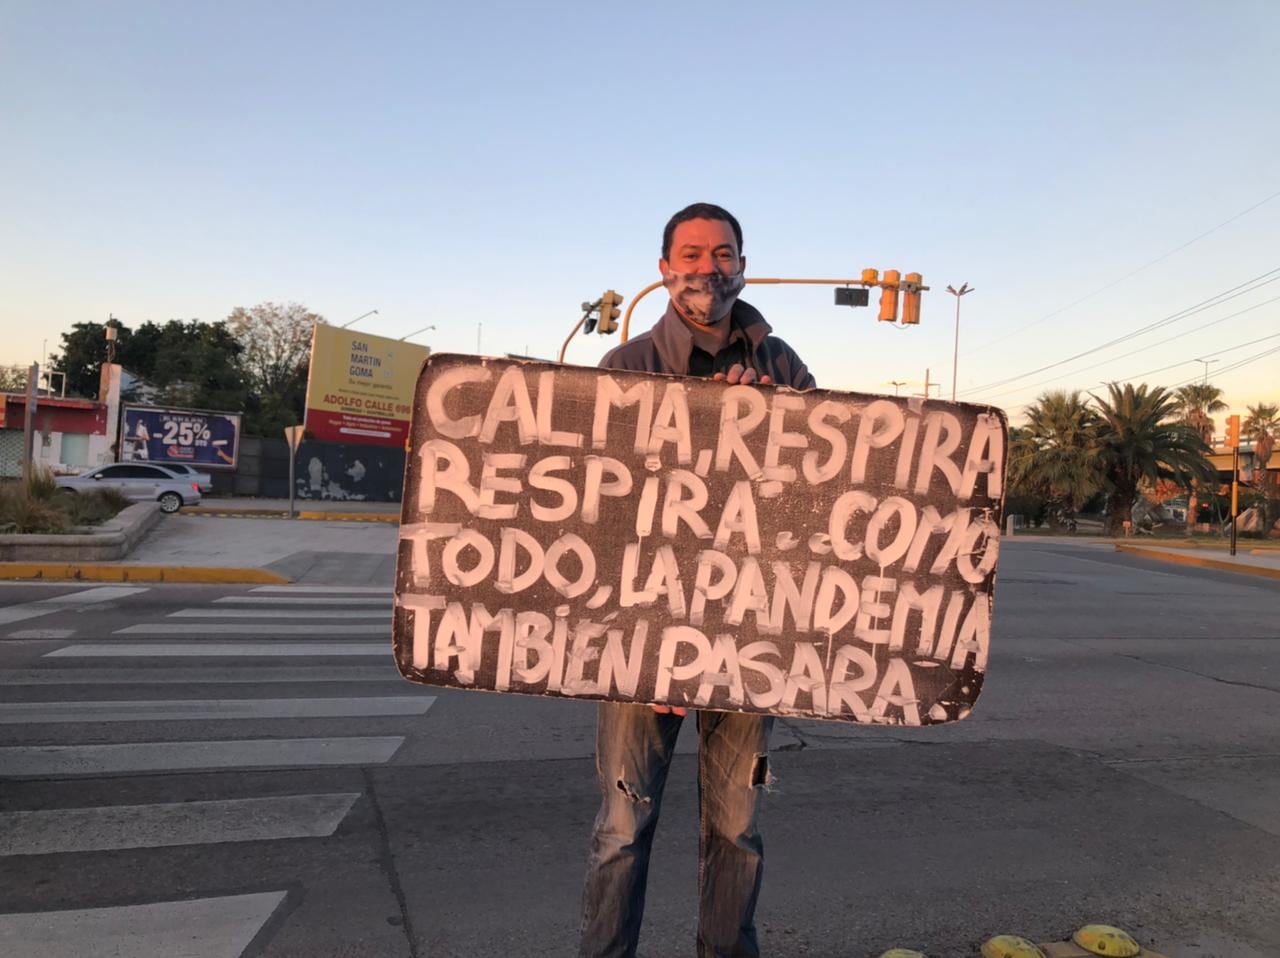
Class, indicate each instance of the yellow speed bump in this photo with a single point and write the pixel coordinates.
(902, 953)
(1106, 940)
(1010, 946)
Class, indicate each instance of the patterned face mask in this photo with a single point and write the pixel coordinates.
(704, 298)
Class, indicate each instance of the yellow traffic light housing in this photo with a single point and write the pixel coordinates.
(911, 299)
(889, 297)
(1233, 432)
(609, 312)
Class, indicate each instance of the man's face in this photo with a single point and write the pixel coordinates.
(704, 271)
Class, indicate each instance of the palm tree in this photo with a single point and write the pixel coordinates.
(1197, 402)
(1054, 454)
(1139, 440)
(1261, 425)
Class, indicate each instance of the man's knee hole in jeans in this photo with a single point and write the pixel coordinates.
(761, 777)
(631, 792)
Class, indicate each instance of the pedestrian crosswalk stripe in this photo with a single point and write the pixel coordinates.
(249, 628)
(184, 710)
(116, 827)
(27, 761)
(281, 614)
(222, 675)
(300, 601)
(59, 603)
(169, 650)
(326, 589)
(42, 634)
(201, 928)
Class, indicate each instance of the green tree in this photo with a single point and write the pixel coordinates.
(84, 350)
(191, 363)
(1141, 440)
(1054, 454)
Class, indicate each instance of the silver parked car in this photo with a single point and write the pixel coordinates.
(184, 471)
(140, 482)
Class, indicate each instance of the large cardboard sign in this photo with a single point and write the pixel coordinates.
(196, 437)
(360, 387)
(641, 538)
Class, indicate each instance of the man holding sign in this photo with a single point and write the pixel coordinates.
(706, 332)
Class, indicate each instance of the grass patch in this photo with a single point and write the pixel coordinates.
(41, 508)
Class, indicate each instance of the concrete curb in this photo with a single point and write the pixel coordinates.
(119, 572)
(351, 516)
(214, 512)
(1204, 562)
(117, 538)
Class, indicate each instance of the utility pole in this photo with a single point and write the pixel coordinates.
(29, 425)
(929, 385)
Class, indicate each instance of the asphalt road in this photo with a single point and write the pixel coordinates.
(217, 772)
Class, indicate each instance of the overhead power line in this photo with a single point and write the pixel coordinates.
(1128, 275)
(1219, 373)
(1141, 349)
(1216, 300)
(1218, 352)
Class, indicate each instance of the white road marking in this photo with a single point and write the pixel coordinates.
(42, 634)
(60, 603)
(250, 628)
(115, 827)
(299, 600)
(325, 589)
(223, 675)
(41, 760)
(202, 928)
(169, 650)
(281, 614)
(184, 710)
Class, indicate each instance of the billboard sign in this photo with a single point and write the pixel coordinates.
(360, 387)
(196, 437)
(633, 537)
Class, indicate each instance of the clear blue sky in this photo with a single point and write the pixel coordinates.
(460, 164)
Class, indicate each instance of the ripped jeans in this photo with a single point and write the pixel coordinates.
(634, 746)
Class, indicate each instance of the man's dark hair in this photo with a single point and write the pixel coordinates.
(699, 211)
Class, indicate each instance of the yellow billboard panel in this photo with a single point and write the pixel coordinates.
(361, 387)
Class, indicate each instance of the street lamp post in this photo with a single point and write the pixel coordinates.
(372, 312)
(955, 355)
(1207, 364)
(424, 329)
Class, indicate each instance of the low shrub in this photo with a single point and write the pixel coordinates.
(23, 513)
(36, 510)
(88, 509)
(43, 485)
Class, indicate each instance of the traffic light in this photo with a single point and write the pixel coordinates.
(1233, 432)
(911, 300)
(889, 297)
(609, 312)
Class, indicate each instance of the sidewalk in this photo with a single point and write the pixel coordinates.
(197, 548)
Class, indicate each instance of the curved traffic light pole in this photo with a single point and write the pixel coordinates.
(910, 284)
(758, 280)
